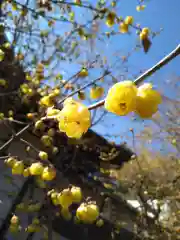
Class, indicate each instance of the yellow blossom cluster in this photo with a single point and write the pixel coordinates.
(74, 119)
(124, 97)
(87, 212)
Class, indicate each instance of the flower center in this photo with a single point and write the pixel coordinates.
(123, 106)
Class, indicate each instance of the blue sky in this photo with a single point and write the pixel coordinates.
(158, 14)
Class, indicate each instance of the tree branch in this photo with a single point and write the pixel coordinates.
(6, 144)
(148, 73)
(83, 87)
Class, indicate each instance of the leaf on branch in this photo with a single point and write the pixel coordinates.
(146, 44)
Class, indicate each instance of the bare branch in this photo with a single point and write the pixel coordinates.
(6, 144)
(148, 73)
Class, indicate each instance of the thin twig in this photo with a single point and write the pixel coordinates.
(29, 144)
(14, 121)
(6, 144)
(148, 73)
(87, 6)
(83, 87)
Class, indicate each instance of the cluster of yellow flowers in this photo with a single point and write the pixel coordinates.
(16, 227)
(28, 207)
(34, 226)
(140, 8)
(66, 197)
(87, 212)
(95, 93)
(124, 26)
(124, 97)
(74, 118)
(46, 173)
(126, 23)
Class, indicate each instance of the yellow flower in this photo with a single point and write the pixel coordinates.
(54, 199)
(36, 168)
(142, 36)
(81, 213)
(144, 33)
(39, 125)
(3, 82)
(96, 92)
(46, 101)
(121, 98)
(110, 20)
(10, 161)
(56, 92)
(113, 3)
(43, 155)
(87, 212)
(52, 111)
(69, 100)
(146, 30)
(2, 54)
(26, 172)
(48, 174)
(75, 119)
(51, 132)
(62, 125)
(76, 194)
(66, 214)
(129, 20)
(47, 140)
(14, 220)
(99, 223)
(18, 168)
(140, 8)
(65, 198)
(83, 73)
(148, 100)
(93, 212)
(123, 27)
(73, 130)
